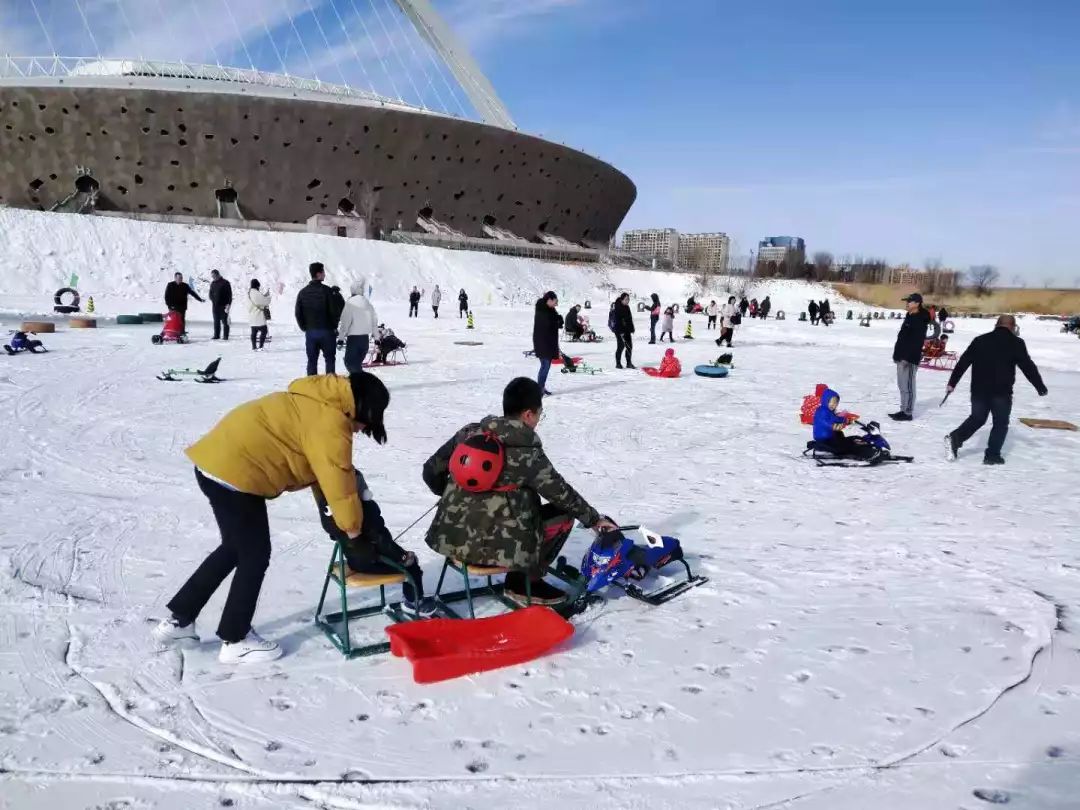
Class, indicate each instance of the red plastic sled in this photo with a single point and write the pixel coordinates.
(440, 649)
(558, 360)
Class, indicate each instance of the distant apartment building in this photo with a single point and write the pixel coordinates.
(686, 251)
(779, 248)
(659, 244)
(704, 252)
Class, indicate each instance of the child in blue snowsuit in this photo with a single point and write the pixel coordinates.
(829, 430)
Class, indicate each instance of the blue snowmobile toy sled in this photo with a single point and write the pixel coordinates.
(21, 343)
(874, 449)
(615, 559)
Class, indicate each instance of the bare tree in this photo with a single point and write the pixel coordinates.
(823, 264)
(1018, 281)
(982, 278)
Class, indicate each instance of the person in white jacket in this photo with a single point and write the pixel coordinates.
(259, 314)
(727, 321)
(357, 325)
(436, 299)
(712, 310)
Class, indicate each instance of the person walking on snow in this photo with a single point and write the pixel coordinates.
(654, 316)
(825, 312)
(220, 303)
(993, 358)
(317, 316)
(358, 323)
(766, 305)
(744, 305)
(667, 325)
(712, 310)
(463, 304)
(177, 293)
(414, 303)
(546, 325)
(436, 299)
(907, 353)
(813, 312)
(279, 443)
(623, 320)
(727, 322)
(258, 314)
(507, 523)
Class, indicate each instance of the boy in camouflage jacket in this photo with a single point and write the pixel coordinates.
(510, 528)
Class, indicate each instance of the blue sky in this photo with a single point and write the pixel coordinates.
(915, 130)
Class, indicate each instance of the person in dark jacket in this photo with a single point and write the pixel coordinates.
(907, 353)
(317, 316)
(743, 306)
(993, 358)
(463, 304)
(623, 321)
(654, 316)
(546, 325)
(763, 310)
(574, 327)
(414, 303)
(943, 314)
(813, 310)
(177, 292)
(220, 302)
(825, 312)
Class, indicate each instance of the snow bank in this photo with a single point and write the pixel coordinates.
(132, 260)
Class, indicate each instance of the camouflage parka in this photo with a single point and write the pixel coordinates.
(499, 528)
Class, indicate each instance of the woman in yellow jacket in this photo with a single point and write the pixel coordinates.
(279, 443)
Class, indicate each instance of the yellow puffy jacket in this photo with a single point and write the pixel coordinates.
(288, 441)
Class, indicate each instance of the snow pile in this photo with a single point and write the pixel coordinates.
(119, 261)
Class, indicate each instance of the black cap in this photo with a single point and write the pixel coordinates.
(371, 400)
(914, 298)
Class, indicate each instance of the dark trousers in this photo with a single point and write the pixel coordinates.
(245, 549)
(671, 337)
(652, 327)
(258, 332)
(414, 310)
(726, 334)
(711, 323)
(356, 349)
(221, 322)
(623, 343)
(461, 311)
(850, 446)
(813, 319)
(321, 340)
(435, 309)
(981, 408)
(542, 375)
(555, 528)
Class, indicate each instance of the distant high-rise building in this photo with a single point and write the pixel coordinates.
(660, 244)
(668, 248)
(704, 252)
(781, 249)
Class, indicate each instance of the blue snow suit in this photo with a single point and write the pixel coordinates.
(824, 419)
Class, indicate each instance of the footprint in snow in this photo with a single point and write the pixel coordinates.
(693, 689)
(992, 795)
(282, 704)
(476, 766)
(1055, 751)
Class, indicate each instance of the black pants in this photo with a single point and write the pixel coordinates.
(221, 322)
(726, 334)
(245, 549)
(652, 327)
(813, 319)
(435, 309)
(260, 333)
(462, 311)
(671, 337)
(414, 310)
(623, 343)
(711, 324)
(981, 408)
(321, 340)
(555, 528)
(850, 447)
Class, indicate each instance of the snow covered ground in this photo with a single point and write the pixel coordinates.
(900, 637)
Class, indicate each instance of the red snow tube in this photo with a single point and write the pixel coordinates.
(440, 649)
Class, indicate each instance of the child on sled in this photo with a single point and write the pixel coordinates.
(829, 432)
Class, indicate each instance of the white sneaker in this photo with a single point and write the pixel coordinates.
(950, 448)
(169, 631)
(254, 649)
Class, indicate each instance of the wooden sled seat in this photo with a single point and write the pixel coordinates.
(358, 579)
(481, 570)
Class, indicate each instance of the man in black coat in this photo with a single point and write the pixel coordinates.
(907, 353)
(414, 303)
(623, 327)
(813, 310)
(317, 316)
(176, 297)
(994, 358)
(220, 302)
(546, 325)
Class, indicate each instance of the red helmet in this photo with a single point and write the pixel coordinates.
(477, 463)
